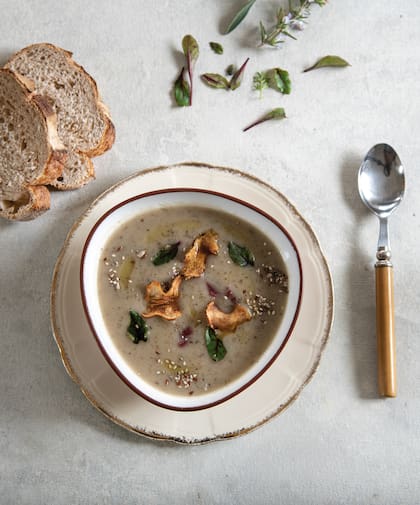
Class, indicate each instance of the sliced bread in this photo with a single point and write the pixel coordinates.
(31, 153)
(83, 121)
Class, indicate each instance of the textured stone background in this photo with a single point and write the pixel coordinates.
(338, 443)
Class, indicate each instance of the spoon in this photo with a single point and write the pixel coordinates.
(381, 184)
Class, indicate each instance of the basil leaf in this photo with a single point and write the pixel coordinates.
(279, 80)
(182, 90)
(240, 255)
(215, 348)
(215, 81)
(137, 329)
(166, 254)
(239, 16)
(329, 61)
(216, 47)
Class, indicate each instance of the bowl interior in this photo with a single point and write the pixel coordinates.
(127, 210)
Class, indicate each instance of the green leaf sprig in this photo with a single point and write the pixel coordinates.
(260, 82)
(216, 47)
(278, 113)
(240, 255)
(294, 19)
(239, 16)
(329, 61)
(215, 347)
(166, 254)
(137, 329)
(219, 81)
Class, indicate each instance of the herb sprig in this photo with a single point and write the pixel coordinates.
(295, 19)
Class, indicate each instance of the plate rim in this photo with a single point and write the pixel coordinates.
(329, 317)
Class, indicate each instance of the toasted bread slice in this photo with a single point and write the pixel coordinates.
(83, 121)
(31, 154)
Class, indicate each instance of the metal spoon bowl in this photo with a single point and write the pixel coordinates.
(381, 183)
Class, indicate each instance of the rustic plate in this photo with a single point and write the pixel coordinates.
(270, 394)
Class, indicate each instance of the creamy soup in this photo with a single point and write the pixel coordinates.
(185, 355)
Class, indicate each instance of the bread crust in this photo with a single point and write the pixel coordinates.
(38, 196)
(37, 201)
(108, 136)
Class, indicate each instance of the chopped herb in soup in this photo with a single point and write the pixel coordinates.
(191, 296)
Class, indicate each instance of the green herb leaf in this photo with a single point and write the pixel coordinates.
(215, 348)
(137, 329)
(279, 80)
(278, 113)
(236, 80)
(191, 51)
(240, 255)
(329, 61)
(216, 47)
(260, 82)
(231, 69)
(239, 16)
(182, 90)
(215, 81)
(166, 254)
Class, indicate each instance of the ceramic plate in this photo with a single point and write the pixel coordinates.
(270, 394)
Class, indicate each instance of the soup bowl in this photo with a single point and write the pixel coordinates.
(166, 200)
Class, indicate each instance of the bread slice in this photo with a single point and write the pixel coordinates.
(31, 153)
(83, 121)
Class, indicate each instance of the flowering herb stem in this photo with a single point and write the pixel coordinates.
(295, 19)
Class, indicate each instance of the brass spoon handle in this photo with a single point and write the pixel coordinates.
(385, 334)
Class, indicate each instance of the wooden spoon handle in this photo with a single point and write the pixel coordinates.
(387, 378)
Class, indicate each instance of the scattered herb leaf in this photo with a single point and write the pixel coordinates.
(329, 61)
(240, 255)
(278, 113)
(216, 47)
(191, 51)
(260, 82)
(236, 79)
(279, 80)
(182, 90)
(239, 16)
(137, 329)
(215, 81)
(215, 348)
(166, 254)
(231, 69)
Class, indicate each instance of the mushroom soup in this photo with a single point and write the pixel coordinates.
(191, 296)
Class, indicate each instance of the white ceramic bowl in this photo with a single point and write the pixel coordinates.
(125, 211)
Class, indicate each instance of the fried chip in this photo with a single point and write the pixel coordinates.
(227, 322)
(195, 258)
(163, 303)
